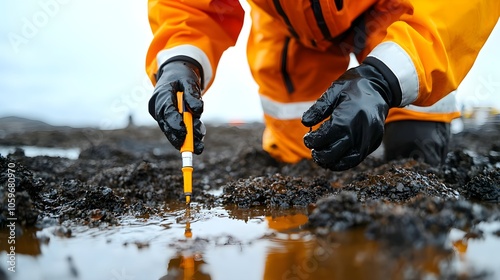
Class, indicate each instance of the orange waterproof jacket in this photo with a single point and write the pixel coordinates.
(428, 44)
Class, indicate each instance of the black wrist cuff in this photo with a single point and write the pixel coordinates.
(193, 64)
(392, 80)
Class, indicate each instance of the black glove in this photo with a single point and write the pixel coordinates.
(178, 74)
(357, 103)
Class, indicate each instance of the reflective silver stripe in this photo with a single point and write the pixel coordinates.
(191, 51)
(447, 104)
(284, 111)
(396, 58)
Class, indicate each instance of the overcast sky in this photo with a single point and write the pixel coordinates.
(69, 62)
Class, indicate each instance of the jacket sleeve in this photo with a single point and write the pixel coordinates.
(199, 29)
(433, 44)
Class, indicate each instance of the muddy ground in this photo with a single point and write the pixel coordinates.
(403, 204)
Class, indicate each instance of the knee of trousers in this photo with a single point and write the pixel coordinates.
(283, 140)
(421, 140)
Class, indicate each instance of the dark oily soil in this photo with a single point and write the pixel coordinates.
(134, 171)
(275, 191)
(421, 221)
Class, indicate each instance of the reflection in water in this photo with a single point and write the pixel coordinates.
(286, 222)
(348, 255)
(293, 253)
(26, 242)
(289, 251)
(188, 264)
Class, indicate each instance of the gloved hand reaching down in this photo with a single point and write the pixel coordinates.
(355, 107)
(184, 75)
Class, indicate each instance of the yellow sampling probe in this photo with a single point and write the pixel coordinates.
(187, 148)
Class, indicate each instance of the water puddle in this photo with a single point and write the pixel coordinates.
(33, 151)
(229, 243)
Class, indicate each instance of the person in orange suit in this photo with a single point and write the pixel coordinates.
(412, 55)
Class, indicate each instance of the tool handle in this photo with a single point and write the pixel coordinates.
(187, 148)
(187, 117)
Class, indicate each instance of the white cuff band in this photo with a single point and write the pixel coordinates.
(400, 63)
(190, 51)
